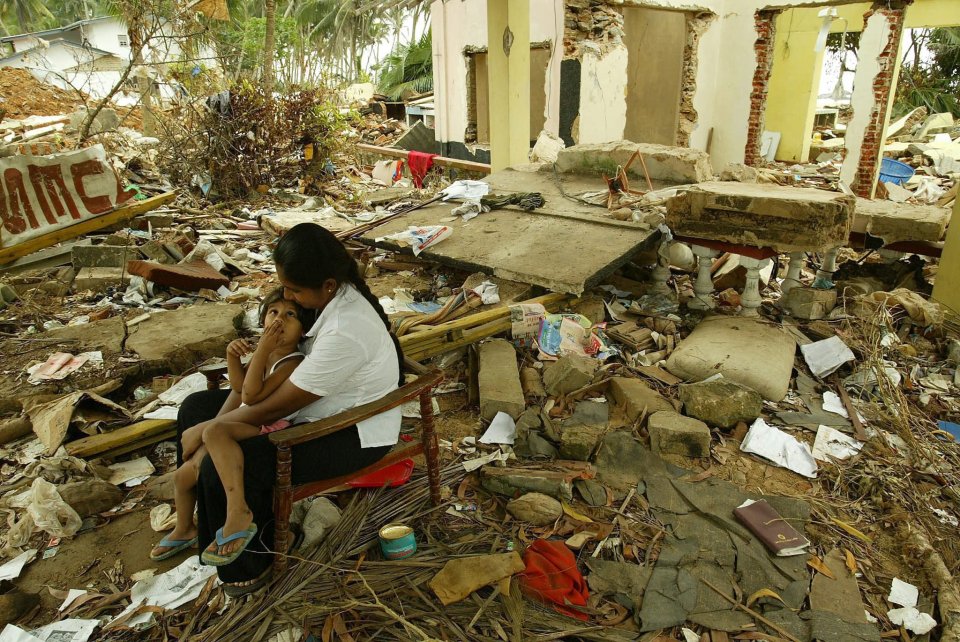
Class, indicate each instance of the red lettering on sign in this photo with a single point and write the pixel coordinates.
(47, 180)
(94, 204)
(17, 198)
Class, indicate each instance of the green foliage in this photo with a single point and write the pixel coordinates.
(408, 69)
(934, 84)
(241, 41)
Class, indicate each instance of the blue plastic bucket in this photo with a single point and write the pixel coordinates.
(397, 541)
(892, 171)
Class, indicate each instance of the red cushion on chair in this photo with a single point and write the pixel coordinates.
(398, 473)
(552, 576)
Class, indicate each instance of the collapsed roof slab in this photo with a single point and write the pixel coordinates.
(895, 222)
(565, 246)
(787, 219)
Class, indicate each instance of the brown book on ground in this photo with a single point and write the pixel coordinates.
(773, 530)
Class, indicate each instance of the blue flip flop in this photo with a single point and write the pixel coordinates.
(213, 558)
(175, 546)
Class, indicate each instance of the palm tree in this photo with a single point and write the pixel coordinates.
(27, 13)
(269, 42)
(408, 69)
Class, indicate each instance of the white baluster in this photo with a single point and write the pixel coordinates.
(703, 286)
(750, 299)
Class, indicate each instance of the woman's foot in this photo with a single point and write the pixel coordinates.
(236, 522)
(174, 541)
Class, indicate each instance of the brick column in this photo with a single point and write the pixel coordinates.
(766, 37)
(871, 149)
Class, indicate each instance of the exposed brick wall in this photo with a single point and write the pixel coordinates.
(871, 147)
(766, 36)
(696, 25)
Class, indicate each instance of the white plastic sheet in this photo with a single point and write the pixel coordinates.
(780, 448)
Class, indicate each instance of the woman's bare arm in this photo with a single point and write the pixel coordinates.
(272, 382)
(285, 400)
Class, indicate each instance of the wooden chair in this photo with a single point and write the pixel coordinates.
(285, 493)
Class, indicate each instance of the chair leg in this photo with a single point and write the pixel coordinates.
(430, 449)
(283, 504)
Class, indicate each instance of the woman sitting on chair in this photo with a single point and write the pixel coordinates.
(352, 358)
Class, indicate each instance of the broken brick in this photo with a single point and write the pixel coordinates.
(191, 277)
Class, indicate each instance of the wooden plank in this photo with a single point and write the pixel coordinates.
(84, 227)
(98, 444)
(140, 443)
(456, 163)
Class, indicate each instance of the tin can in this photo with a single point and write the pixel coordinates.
(397, 541)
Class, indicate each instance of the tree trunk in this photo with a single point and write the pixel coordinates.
(269, 42)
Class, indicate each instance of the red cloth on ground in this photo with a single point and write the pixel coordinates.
(419, 164)
(552, 576)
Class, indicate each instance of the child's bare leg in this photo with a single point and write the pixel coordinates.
(185, 498)
(221, 442)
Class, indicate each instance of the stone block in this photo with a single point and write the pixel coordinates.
(191, 277)
(82, 256)
(809, 303)
(499, 380)
(185, 336)
(513, 482)
(106, 120)
(155, 251)
(99, 279)
(788, 219)
(894, 222)
(672, 433)
(739, 172)
(750, 352)
(569, 373)
(721, 402)
(536, 509)
(664, 163)
(637, 398)
(583, 431)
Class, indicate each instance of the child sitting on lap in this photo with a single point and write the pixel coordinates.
(274, 360)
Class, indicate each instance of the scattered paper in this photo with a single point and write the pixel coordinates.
(70, 630)
(466, 190)
(11, 569)
(72, 595)
(525, 320)
(162, 518)
(831, 443)
(471, 465)
(833, 403)
(903, 593)
(169, 590)
(489, 292)
(163, 412)
(59, 365)
(689, 636)
(824, 357)
(179, 391)
(13, 633)
(420, 238)
(502, 430)
(780, 448)
(946, 518)
(912, 619)
(126, 470)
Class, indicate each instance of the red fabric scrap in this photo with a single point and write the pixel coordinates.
(552, 577)
(419, 164)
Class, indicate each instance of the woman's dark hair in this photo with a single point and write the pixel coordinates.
(309, 254)
(277, 295)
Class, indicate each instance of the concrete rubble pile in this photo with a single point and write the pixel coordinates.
(630, 424)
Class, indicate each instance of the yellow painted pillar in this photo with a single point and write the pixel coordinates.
(794, 82)
(946, 289)
(508, 69)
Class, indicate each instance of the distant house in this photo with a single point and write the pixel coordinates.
(89, 55)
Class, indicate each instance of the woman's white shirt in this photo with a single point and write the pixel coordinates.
(351, 360)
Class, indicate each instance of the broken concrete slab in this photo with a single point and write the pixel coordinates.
(671, 432)
(934, 124)
(569, 373)
(721, 403)
(535, 508)
(894, 222)
(179, 338)
(664, 163)
(91, 496)
(525, 246)
(106, 335)
(155, 251)
(734, 346)
(499, 380)
(557, 482)
(190, 277)
(583, 431)
(637, 398)
(98, 279)
(788, 219)
(116, 256)
(809, 303)
(840, 594)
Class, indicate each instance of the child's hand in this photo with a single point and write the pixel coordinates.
(272, 336)
(238, 348)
